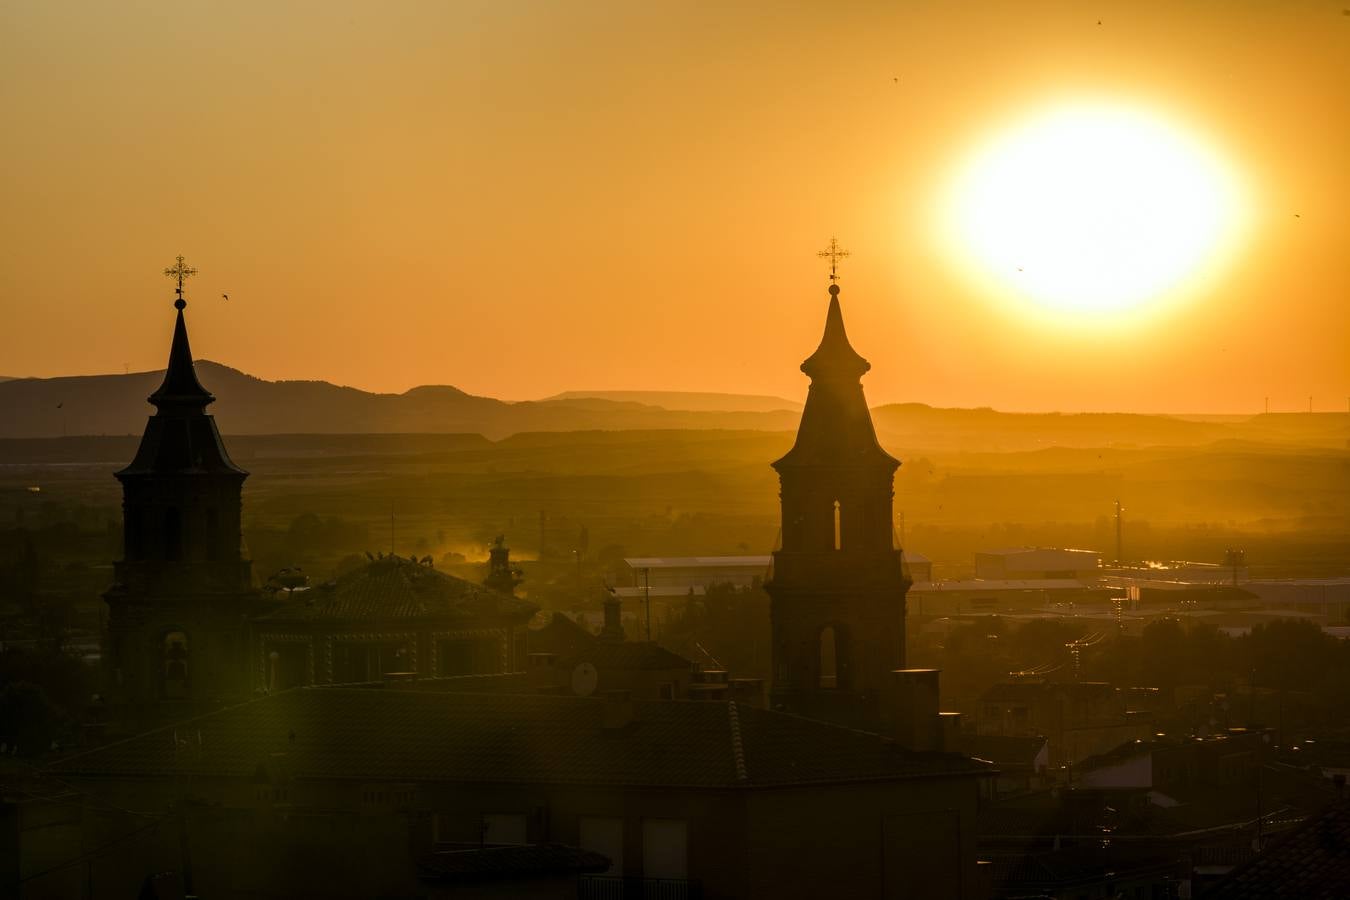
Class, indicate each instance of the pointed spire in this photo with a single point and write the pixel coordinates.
(835, 358)
(181, 436)
(836, 426)
(181, 389)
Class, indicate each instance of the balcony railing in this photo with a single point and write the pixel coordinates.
(615, 887)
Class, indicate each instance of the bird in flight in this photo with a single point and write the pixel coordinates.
(224, 296)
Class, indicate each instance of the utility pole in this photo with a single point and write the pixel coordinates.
(1120, 552)
(1235, 559)
(647, 592)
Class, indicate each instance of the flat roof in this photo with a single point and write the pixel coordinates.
(1017, 551)
(697, 562)
(1000, 584)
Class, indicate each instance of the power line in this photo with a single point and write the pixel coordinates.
(91, 854)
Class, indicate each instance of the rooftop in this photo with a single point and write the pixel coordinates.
(1311, 862)
(344, 733)
(697, 562)
(396, 588)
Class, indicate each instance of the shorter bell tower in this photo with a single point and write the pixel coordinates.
(183, 589)
(838, 584)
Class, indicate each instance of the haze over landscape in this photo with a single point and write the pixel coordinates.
(674, 451)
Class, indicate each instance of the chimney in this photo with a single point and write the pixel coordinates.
(619, 710)
(613, 630)
(914, 708)
(951, 730)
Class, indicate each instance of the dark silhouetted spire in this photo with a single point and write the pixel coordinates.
(835, 357)
(836, 427)
(181, 391)
(181, 437)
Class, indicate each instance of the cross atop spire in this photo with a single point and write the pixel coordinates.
(180, 272)
(833, 253)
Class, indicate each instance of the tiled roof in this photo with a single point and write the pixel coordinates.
(610, 655)
(1312, 862)
(474, 863)
(560, 635)
(572, 644)
(510, 739)
(397, 588)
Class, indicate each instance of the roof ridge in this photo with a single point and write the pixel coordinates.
(737, 745)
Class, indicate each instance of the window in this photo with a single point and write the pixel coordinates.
(665, 848)
(667, 689)
(829, 660)
(604, 835)
(504, 828)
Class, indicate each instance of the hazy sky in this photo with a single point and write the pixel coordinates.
(524, 198)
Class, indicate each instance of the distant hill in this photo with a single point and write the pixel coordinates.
(116, 405)
(692, 401)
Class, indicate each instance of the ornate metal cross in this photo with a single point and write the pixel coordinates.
(833, 253)
(181, 273)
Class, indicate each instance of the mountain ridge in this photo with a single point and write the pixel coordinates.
(116, 405)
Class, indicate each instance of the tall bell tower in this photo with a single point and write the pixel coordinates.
(838, 584)
(183, 589)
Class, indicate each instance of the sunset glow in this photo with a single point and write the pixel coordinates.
(1093, 209)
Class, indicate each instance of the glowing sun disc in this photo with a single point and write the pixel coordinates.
(1092, 209)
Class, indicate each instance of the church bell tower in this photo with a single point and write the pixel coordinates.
(182, 591)
(838, 584)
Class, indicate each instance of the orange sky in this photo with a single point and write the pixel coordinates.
(520, 199)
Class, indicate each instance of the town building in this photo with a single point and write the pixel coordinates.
(340, 792)
(1076, 718)
(679, 576)
(1036, 562)
(393, 616)
(564, 656)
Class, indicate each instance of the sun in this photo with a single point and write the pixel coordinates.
(1092, 210)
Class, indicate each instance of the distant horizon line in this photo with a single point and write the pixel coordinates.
(793, 405)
